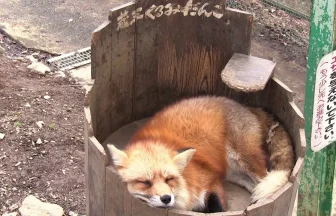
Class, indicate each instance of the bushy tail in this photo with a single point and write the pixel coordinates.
(279, 146)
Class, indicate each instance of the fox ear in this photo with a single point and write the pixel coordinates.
(118, 157)
(181, 159)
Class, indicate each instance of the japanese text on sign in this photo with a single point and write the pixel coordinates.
(128, 18)
(324, 113)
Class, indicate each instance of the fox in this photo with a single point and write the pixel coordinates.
(181, 157)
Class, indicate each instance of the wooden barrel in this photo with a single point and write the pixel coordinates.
(153, 52)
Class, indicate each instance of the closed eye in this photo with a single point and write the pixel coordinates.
(147, 183)
(170, 178)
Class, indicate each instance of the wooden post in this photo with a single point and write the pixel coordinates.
(316, 187)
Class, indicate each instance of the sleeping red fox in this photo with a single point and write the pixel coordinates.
(181, 156)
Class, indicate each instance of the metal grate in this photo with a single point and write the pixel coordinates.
(299, 9)
(72, 60)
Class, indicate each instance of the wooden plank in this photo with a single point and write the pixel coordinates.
(294, 178)
(296, 170)
(175, 212)
(231, 213)
(280, 102)
(301, 150)
(111, 96)
(261, 208)
(123, 46)
(87, 119)
(172, 63)
(98, 46)
(95, 184)
(116, 196)
(88, 122)
(88, 132)
(240, 38)
(247, 73)
(145, 96)
(281, 200)
(141, 209)
(294, 195)
(101, 69)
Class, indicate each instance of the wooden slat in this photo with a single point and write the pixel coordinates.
(88, 132)
(247, 73)
(282, 200)
(118, 203)
(296, 170)
(95, 185)
(87, 119)
(293, 196)
(261, 208)
(123, 46)
(141, 209)
(101, 70)
(280, 102)
(113, 63)
(98, 45)
(295, 179)
(175, 212)
(231, 213)
(240, 38)
(88, 122)
(300, 148)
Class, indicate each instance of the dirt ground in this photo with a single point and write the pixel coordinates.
(53, 170)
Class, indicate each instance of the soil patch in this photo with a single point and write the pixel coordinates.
(47, 162)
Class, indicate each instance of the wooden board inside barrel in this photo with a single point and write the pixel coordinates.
(247, 73)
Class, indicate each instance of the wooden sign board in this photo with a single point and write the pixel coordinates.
(324, 112)
(154, 12)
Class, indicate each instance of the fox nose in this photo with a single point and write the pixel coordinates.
(165, 199)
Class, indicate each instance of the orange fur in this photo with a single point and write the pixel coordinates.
(228, 138)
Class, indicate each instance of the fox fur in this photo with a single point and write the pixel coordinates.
(181, 156)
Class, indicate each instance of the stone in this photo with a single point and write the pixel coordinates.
(31, 206)
(32, 58)
(40, 124)
(39, 141)
(27, 105)
(71, 213)
(2, 136)
(39, 67)
(60, 74)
